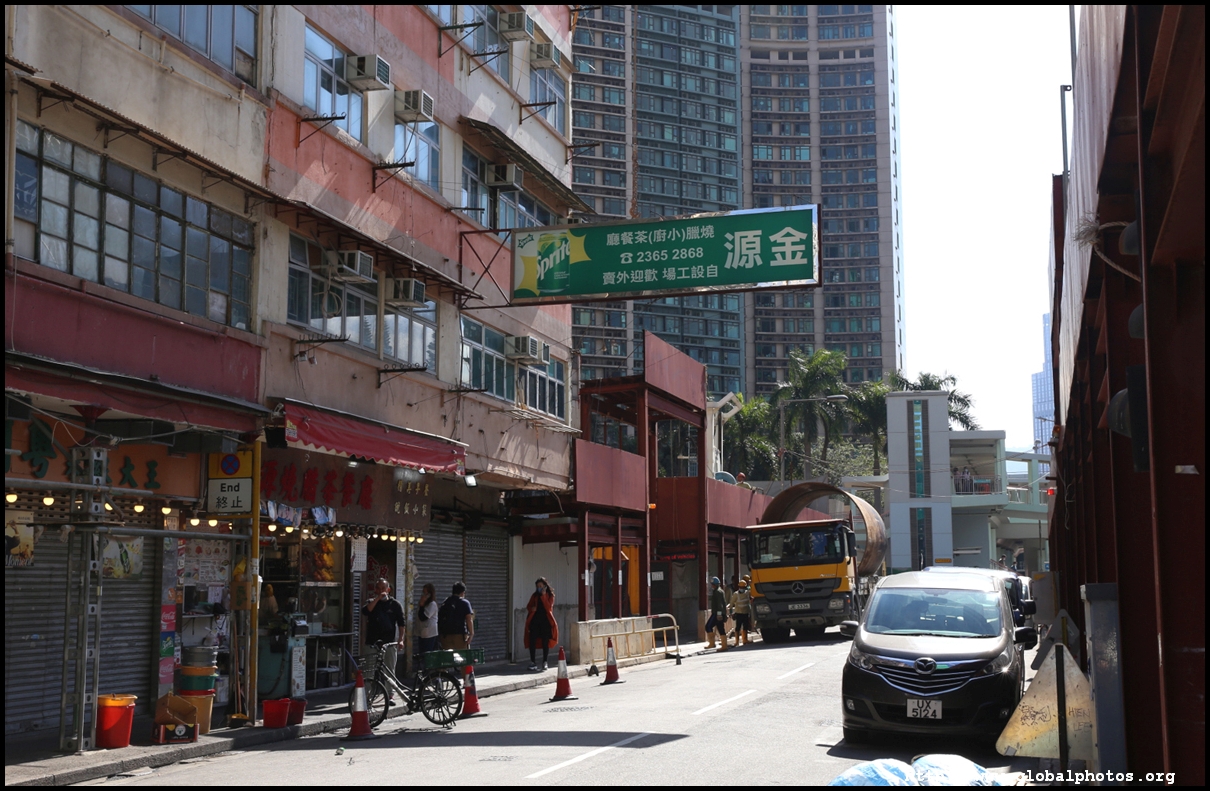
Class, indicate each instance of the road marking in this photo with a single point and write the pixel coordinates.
(590, 754)
(722, 702)
(796, 670)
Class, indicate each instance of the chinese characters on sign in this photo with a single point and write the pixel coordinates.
(767, 248)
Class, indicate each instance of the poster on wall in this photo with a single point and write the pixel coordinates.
(122, 557)
(19, 538)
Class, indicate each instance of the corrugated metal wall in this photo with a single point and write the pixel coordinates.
(487, 588)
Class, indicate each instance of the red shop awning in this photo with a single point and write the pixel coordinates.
(369, 439)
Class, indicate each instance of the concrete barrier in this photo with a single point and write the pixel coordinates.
(631, 637)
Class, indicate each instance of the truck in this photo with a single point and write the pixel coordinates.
(809, 574)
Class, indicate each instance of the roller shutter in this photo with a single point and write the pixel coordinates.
(439, 561)
(487, 589)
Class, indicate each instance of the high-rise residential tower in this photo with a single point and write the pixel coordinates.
(1044, 392)
(820, 115)
(657, 89)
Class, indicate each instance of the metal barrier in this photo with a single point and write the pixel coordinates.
(663, 630)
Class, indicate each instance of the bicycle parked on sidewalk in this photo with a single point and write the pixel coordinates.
(436, 691)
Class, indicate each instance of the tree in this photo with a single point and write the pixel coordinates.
(958, 404)
(747, 446)
(812, 376)
(867, 410)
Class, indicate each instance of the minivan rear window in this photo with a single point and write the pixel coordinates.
(929, 611)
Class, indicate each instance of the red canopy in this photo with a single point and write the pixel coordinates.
(378, 441)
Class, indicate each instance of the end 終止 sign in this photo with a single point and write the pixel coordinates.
(733, 251)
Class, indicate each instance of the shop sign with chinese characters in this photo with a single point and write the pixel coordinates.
(732, 251)
(366, 494)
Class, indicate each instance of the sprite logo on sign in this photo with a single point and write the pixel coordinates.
(554, 263)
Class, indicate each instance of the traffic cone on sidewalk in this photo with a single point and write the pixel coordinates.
(611, 664)
(361, 729)
(563, 686)
(470, 698)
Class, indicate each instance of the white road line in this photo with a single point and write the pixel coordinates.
(590, 754)
(796, 670)
(722, 702)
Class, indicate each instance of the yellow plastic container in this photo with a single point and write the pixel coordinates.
(188, 670)
(116, 700)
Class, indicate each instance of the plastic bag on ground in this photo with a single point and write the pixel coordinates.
(951, 770)
(883, 772)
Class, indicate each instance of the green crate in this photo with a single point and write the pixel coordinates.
(434, 660)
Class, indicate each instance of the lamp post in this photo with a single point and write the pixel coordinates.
(781, 424)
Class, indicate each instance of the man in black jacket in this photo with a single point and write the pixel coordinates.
(385, 622)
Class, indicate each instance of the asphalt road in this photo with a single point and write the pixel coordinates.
(761, 714)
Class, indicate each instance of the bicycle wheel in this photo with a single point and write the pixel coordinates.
(440, 698)
(377, 698)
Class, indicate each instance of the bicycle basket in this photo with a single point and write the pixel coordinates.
(434, 660)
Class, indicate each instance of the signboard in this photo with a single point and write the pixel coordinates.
(750, 249)
(229, 496)
(19, 539)
(231, 465)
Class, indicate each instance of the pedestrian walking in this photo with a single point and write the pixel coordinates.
(741, 608)
(718, 615)
(541, 631)
(426, 617)
(456, 620)
(385, 622)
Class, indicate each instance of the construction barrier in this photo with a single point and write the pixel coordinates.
(563, 685)
(627, 639)
(360, 730)
(611, 665)
(470, 698)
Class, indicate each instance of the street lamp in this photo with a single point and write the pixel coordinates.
(781, 423)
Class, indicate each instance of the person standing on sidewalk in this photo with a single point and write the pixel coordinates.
(741, 605)
(426, 617)
(540, 627)
(384, 617)
(718, 615)
(456, 620)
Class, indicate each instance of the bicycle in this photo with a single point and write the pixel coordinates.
(435, 692)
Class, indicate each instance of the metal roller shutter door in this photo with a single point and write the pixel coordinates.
(487, 588)
(34, 615)
(439, 561)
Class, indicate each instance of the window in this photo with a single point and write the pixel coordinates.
(613, 13)
(762, 152)
(613, 150)
(795, 153)
(475, 195)
(613, 95)
(544, 388)
(583, 119)
(869, 176)
(420, 143)
(487, 38)
(828, 32)
(545, 85)
(873, 350)
(613, 123)
(766, 350)
(873, 324)
(584, 36)
(766, 325)
(583, 92)
(324, 88)
(585, 175)
(521, 210)
(872, 299)
(613, 68)
(223, 33)
(584, 65)
(760, 31)
(762, 176)
(613, 41)
(483, 362)
(104, 222)
(613, 178)
(613, 206)
(762, 79)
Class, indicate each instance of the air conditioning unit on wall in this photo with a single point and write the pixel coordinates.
(413, 106)
(368, 72)
(517, 26)
(405, 292)
(545, 56)
(526, 350)
(507, 178)
(349, 265)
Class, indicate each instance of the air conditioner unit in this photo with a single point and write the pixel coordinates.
(526, 350)
(545, 56)
(368, 72)
(507, 178)
(349, 265)
(405, 292)
(413, 106)
(517, 26)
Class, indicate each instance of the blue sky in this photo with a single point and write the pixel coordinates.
(980, 137)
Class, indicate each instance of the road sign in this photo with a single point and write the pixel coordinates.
(229, 496)
(231, 465)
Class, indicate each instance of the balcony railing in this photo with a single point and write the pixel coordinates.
(977, 484)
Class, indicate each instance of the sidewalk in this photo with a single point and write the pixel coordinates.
(327, 711)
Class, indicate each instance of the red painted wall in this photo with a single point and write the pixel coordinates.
(673, 371)
(610, 477)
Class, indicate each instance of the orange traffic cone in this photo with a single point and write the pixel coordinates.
(361, 729)
(611, 664)
(563, 686)
(470, 698)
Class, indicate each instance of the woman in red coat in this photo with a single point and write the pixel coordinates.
(540, 627)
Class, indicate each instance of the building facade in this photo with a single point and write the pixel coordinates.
(1043, 387)
(820, 116)
(655, 101)
(287, 239)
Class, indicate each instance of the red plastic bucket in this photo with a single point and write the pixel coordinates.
(277, 713)
(297, 707)
(115, 716)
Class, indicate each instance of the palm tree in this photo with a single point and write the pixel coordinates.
(747, 446)
(958, 404)
(812, 376)
(867, 411)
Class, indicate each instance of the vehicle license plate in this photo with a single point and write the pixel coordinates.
(803, 606)
(921, 708)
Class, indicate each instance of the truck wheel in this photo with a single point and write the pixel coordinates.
(774, 635)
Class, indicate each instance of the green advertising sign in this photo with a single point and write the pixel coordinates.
(741, 250)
